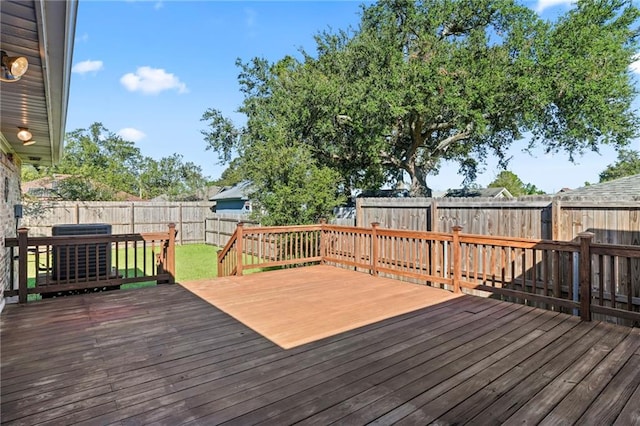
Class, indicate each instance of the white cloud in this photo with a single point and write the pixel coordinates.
(158, 5)
(250, 17)
(635, 65)
(545, 4)
(83, 38)
(152, 81)
(87, 66)
(131, 134)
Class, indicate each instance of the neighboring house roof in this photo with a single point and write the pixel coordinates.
(624, 188)
(208, 192)
(45, 188)
(125, 196)
(480, 192)
(565, 189)
(43, 32)
(385, 193)
(236, 192)
(199, 195)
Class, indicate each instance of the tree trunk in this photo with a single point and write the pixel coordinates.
(419, 186)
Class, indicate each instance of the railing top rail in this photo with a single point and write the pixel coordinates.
(440, 236)
(526, 243)
(425, 235)
(346, 228)
(280, 229)
(616, 250)
(222, 253)
(88, 239)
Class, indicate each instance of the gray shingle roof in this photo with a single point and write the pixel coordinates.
(236, 192)
(479, 192)
(626, 188)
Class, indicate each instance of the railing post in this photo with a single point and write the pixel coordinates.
(220, 266)
(23, 246)
(374, 247)
(323, 241)
(170, 267)
(239, 249)
(457, 258)
(585, 275)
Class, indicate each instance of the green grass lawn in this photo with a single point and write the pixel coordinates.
(193, 262)
(196, 261)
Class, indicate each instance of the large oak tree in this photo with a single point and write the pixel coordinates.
(421, 82)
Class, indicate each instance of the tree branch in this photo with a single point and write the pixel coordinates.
(445, 143)
(439, 126)
(390, 159)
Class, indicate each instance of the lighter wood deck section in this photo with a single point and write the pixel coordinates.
(292, 307)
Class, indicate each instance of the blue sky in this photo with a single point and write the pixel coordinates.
(149, 69)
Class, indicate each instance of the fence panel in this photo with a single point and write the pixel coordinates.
(395, 213)
(124, 217)
(118, 215)
(218, 228)
(611, 221)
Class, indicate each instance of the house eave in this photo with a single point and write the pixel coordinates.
(57, 22)
(42, 31)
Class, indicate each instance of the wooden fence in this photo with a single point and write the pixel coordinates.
(124, 217)
(582, 276)
(611, 221)
(552, 218)
(195, 222)
(219, 228)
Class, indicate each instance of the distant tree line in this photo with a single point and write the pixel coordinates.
(105, 167)
(628, 164)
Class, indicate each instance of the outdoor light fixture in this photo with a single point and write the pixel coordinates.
(13, 67)
(24, 134)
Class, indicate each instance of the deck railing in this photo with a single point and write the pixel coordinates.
(64, 264)
(574, 276)
(264, 247)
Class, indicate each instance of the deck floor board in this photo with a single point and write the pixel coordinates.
(163, 355)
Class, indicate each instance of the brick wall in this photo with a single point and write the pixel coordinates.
(9, 196)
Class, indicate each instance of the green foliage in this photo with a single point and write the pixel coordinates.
(170, 176)
(289, 187)
(104, 166)
(232, 175)
(628, 164)
(222, 136)
(103, 156)
(514, 185)
(28, 173)
(78, 188)
(419, 82)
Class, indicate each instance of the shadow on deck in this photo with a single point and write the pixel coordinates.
(162, 355)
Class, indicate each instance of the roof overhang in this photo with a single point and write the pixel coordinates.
(42, 31)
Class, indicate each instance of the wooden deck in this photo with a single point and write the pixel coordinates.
(162, 355)
(291, 307)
